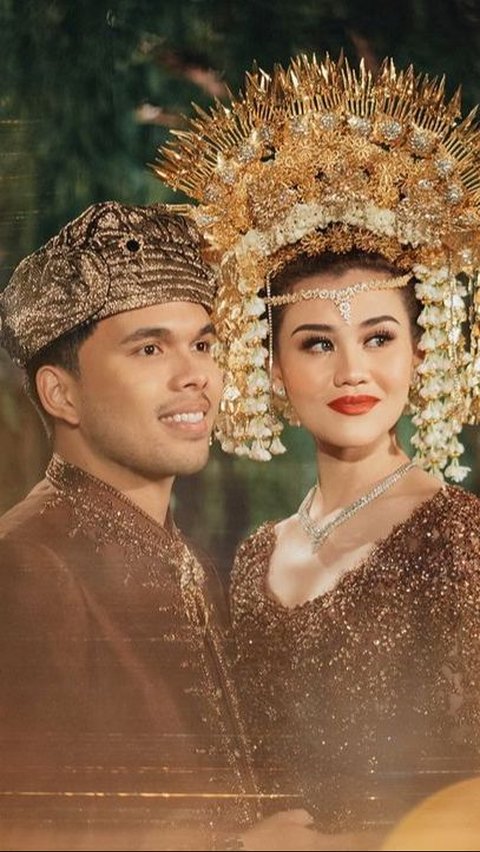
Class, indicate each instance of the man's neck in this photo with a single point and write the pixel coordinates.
(151, 496)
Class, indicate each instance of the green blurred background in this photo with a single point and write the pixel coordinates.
(89, 89)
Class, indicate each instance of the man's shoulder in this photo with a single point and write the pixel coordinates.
(32, 513)
(35, 532)
(39, 591)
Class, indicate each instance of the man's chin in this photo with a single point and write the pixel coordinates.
(191, 462)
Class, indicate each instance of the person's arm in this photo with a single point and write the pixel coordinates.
(42, 625)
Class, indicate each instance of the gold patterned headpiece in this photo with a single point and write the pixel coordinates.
(320, 157)
(112, 258)
(342, 297)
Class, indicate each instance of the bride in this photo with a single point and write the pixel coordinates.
(344, 212)
(357, 618)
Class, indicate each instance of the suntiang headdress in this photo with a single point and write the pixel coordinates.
(320, 157)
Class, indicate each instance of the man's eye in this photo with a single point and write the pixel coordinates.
(149, 349)
(203, 346)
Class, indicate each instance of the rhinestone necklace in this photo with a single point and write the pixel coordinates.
(318, 534)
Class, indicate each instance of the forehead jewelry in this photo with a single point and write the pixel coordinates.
(341, 297)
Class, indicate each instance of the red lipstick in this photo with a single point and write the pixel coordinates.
(353, 405)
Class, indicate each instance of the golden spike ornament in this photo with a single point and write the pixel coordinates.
(321, 156)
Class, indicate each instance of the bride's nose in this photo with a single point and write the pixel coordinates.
(350, 367)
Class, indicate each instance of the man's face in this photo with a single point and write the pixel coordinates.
(148, 390)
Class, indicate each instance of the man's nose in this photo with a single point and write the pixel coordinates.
(190, 371)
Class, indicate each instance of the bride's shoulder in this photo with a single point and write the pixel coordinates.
(460, 506)
(445, 507)
(251, 559)
(285, 526)
(459, 516)
(259, 541)
(254, 553)
(452, 521)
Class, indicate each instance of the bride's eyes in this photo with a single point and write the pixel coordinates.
(317, 344)
(380, 338)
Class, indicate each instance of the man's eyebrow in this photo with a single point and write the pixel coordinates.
(207, 329)
(156, 331)
(330, 328)
(160, 333)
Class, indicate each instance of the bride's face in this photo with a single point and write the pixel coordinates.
(348, 383)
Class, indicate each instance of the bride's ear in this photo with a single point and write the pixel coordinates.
(278, 387)
(418, 356)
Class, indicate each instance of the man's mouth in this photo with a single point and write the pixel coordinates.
(185, 417)
(189, 419)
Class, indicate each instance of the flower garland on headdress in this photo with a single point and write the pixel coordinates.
(320, 157)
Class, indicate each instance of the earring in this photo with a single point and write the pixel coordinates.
(281, 404)
(414, 399)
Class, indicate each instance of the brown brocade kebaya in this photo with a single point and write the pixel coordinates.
(367, 698)
(118, 712)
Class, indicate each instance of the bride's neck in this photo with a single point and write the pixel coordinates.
(346, 474)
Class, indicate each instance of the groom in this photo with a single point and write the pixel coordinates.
(119, 724)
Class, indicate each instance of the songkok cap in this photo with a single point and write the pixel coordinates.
(112, 258)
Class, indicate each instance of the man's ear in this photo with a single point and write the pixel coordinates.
(58, 393)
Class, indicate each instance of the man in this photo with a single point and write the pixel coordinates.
(119, 724)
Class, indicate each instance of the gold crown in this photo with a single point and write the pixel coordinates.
(355, 144)
(321, 157)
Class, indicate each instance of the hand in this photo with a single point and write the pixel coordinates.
(289, 831)
(286, 831)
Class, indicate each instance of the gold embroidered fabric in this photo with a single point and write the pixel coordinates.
(367, 698)
(321, 157)
(112, 258)
(117, 691)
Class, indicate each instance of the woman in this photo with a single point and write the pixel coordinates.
(346, 207)
(358, 622)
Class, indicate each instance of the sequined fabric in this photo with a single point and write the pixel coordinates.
(367, 698)
(117, 703)
(112, 258)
